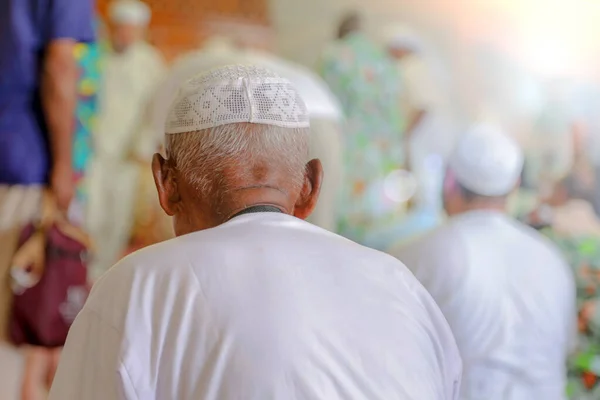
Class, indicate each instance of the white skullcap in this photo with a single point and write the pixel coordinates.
(133, 12)
(236, 94)
(487, 162)
(401, 37)
(320, 101)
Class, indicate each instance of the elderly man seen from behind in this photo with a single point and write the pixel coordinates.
(250, 301)
(505, 290)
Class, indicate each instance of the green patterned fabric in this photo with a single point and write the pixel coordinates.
(89, 58)
(583, 254)
(368, 85)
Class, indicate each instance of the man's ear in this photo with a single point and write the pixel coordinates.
(166, 185)
(309, 195)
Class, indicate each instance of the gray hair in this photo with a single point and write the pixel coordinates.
(203, 156)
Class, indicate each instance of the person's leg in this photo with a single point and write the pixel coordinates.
(54, 360)
(12, 363)
(37, 367)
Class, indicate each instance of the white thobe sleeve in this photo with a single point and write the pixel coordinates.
(90, 366)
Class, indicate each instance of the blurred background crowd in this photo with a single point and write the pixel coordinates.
(389, 86)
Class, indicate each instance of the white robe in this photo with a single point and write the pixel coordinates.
(265, 306)
(434, 135)
(510, 300)
(123, 133)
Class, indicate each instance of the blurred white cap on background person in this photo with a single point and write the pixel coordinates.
(486, 161)
(401, 37)
(132, 12)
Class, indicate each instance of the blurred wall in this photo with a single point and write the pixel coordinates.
(181, 25)
(497, 55)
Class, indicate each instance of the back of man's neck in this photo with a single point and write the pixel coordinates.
(247, 197)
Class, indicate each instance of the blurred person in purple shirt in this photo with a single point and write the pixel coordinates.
(38, 77)
(38, 94)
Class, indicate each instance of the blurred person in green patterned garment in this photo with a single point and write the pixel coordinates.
(368, 86)
(89, 57)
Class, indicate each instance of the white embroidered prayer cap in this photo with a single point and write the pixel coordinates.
(320, 101)
(236, 94)
(486, 161)
(133, 12)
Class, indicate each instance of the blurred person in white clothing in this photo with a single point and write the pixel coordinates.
(250, 301)
(429, 128)
(124, 138)
(505, 290)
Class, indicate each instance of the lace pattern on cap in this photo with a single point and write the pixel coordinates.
(236, 94)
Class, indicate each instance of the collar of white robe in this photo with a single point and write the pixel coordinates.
(260, 208)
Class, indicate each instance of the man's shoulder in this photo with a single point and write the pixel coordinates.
(446, 235)
(520, 234)
(441, 252)
(538, 241)
(168, 254)
(148, 271)
(304, 240)
(337, 244)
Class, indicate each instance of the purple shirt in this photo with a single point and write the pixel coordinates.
(26, 28)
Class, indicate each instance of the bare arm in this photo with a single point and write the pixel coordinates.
(414, 120)
(59, 98)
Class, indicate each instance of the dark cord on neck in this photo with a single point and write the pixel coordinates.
(257, 209)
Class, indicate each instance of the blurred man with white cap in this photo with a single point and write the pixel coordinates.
(131, 72)
(506, 292)
(250, 301)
